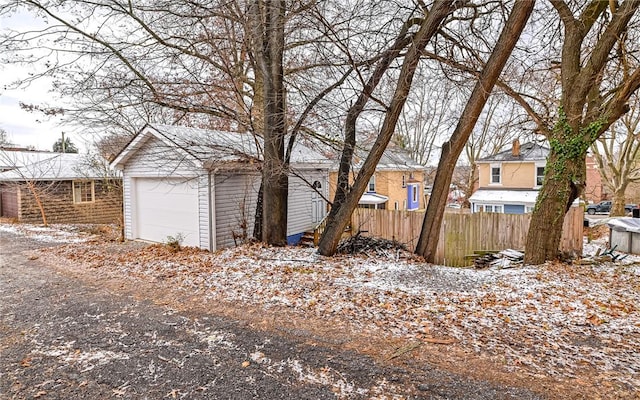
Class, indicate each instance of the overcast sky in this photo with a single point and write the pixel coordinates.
(24, 128)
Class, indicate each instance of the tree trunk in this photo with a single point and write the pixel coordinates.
(268, 20)
(34, 191)
(619, 201)
(563, 183)
(257, 222)
(338, 220)
(429, 236)
(584, 114)
(348, 149)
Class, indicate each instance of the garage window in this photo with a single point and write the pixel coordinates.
(83, 192)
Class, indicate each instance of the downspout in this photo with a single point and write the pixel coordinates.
(212, 210)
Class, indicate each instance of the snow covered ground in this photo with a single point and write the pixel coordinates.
(555, 319)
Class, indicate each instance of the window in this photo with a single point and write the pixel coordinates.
(495, 174)
(415, 193)
(539, 176)
(372, 184)
(404, 181)
(83, 191)
(488, 208)
(396, 205)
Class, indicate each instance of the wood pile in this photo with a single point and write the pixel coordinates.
(359, 244)
(508, 258)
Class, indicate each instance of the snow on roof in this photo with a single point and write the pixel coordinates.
(624, 224)
(500, 196)
(48, 166)
(212, 146)
(373, 198)
(528, 152)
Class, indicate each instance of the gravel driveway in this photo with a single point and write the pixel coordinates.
(62, 338)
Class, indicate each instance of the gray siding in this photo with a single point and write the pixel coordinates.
(299, 216)
(204, 211)
(235, 205)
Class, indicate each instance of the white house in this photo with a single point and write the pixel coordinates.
(203, 185)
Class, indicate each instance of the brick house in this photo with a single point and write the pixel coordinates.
(594, 191)
(72, 188)
(397, 183)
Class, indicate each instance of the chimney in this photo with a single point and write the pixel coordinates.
(515, 150)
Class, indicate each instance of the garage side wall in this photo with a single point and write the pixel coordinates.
(236, 197)
(305, 208)
(155, 160)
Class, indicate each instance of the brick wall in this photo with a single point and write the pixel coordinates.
(8, 201)
(57, 198)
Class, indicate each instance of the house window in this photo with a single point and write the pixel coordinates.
(539, 176)
(415, 194)
(493, 208)
(396, 205)
(83, 192)
(404, 181)
(372, 184)
(528, 209)
(495, 174)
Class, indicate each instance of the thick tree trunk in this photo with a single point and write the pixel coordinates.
(268, 20)
(619, 200)
(338, 220)
(564, 182)
(584, 115)
(429, 236)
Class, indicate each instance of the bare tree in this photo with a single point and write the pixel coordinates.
(341, 211)
(594, 94)
(617, 154)
(498, 127)
(452, 149)
(32, 173)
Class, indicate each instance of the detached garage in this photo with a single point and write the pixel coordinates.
(202, 186)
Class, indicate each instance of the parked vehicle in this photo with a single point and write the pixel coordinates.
(605, 207)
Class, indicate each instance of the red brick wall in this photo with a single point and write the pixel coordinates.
(594, 191)
(57, 198)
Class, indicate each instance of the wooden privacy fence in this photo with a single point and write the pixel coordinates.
(463, 233)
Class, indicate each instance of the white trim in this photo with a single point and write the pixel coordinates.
(81, 181)
(538, 164)
(491, 167)
(140, 139)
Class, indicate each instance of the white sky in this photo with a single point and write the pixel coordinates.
(24, 128)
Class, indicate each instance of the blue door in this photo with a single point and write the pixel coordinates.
(413, 196)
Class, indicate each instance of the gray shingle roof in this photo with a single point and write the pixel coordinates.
(528, 152)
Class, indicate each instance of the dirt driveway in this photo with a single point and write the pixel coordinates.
(65, 337)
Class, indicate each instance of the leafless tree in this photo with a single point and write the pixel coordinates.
(452, 148)
(617, 154)
(596, 83)
(341, 211)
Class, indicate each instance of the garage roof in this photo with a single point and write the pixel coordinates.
(210, 147)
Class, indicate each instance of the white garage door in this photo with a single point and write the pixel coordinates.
(166, 207)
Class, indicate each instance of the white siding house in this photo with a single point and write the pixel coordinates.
(203, 186)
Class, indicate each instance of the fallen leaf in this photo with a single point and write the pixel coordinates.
(245, 364)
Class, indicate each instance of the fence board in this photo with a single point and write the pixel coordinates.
(462, 233)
